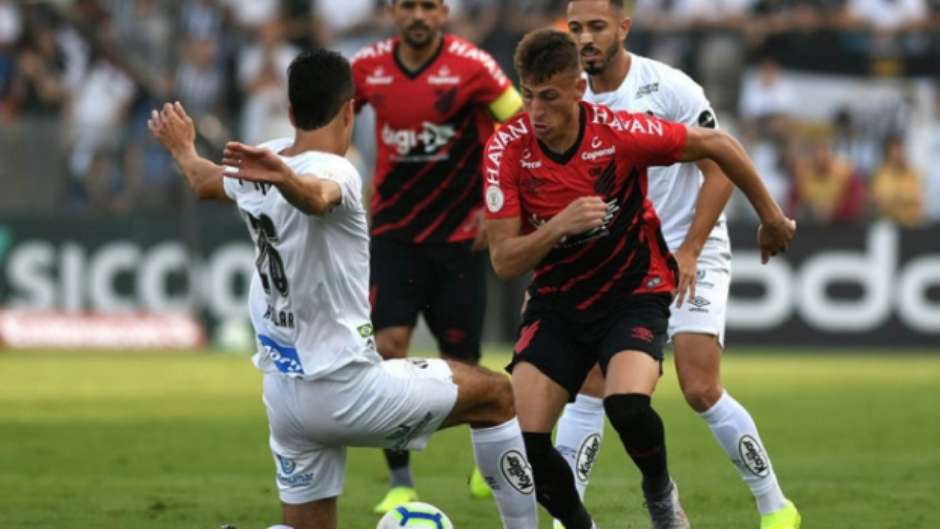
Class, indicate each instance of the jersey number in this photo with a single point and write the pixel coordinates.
(269, 263)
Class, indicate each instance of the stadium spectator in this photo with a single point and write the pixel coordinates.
(896, 188)
(262, 78)
(198, 81)
(36, 89)
(11, 26)
(827, 186)
(200, 18)
(764, 95)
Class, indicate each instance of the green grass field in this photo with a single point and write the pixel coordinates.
(180, 441)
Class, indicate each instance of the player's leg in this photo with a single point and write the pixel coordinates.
(549, 367)
(456, 296)
(631, 355)
(697, 330)
(581, 429)
(396, 295)
(407, 400)
(319, 514)
(306, 503)
(455, 311)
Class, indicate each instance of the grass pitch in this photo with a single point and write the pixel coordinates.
(180, 441)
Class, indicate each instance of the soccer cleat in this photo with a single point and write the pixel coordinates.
(786, 518)
(396, 496)
(666, 512)
(479, 488)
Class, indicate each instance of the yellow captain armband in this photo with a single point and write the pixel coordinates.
(506, 106)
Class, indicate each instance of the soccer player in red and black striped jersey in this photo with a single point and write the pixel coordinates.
(565, 193)
(437, 99)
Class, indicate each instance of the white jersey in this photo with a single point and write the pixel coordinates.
(655, 88)
(309, 297)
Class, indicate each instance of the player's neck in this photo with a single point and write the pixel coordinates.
(413, 58)
(612, 76)
(568, 134)
(325, 139)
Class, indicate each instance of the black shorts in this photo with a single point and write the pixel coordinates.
(445, 282)
(565, 348)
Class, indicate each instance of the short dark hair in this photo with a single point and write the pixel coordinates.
(319, 84)
(544, 53)
(616, 3)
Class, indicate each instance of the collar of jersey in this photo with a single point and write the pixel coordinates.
(414, 74)
(565, 157)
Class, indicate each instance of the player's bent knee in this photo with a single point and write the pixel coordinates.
(626, 410)
(504, 405)
(701, 397)
(392, 343)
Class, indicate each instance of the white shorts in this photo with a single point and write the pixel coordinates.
(393, 404)
(707, 311)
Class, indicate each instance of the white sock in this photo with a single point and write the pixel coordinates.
(500, 456)
(579, 435)
(737, 434)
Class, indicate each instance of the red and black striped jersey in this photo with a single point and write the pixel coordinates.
(599, 269)
(431, 127)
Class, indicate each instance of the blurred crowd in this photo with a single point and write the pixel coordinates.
(79, 78)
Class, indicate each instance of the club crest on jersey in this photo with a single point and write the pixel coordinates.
(517, 471)
(598, 151)
(443, 77)
(379, 77)
(494, 198)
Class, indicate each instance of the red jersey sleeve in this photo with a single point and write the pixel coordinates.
(361, 98)
(500, 179)
(489, 81)
(647, 140)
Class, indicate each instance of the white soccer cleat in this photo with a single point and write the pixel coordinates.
(666, 512)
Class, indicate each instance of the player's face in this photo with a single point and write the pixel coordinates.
(419, 21)
(599, 28)
(552, 105)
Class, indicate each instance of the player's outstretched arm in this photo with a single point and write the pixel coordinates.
(312, 195)
(776, 230)
(513, 254)
(174, 129)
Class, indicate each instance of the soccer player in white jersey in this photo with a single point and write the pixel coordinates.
(689, 200)
(325, 387)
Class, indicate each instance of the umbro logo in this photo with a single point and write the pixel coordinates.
(647, 89)
(379, 77)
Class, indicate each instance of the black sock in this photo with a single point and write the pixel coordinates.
(554, 482)
(641, 432)
(398, 468)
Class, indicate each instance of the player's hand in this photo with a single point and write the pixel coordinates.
(774, 237)
(581, 215)
(254, 164)
(481, 241)
(688, 269)
(174, 129)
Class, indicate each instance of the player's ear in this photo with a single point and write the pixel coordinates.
(581, 87)
(625, 26)
(349, 112)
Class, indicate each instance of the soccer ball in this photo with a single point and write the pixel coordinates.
(415, 515)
